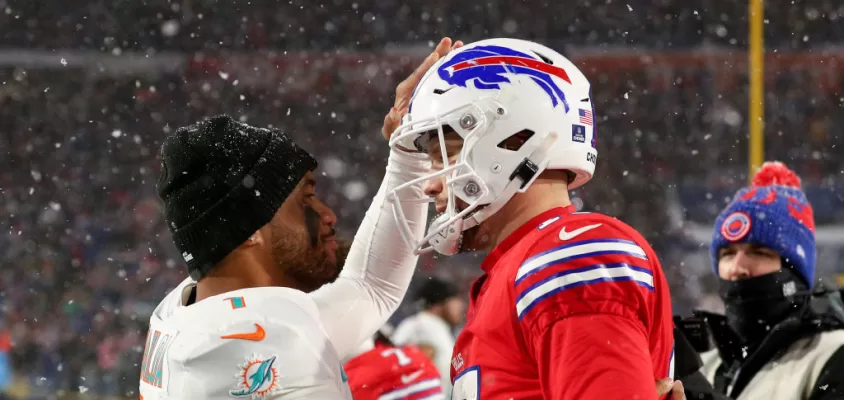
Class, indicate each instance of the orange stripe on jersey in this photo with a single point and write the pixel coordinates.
(236, 302)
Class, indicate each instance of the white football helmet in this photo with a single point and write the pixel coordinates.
(488, 91)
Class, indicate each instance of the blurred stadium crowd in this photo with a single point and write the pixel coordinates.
(85, 255)
(199, 25)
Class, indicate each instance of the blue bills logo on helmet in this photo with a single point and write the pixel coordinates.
(486, 66)
(736, 226)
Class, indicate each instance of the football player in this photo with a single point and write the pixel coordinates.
(571, 305)
(254, 321)
(383, 371)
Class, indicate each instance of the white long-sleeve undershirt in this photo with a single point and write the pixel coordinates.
(379, 266)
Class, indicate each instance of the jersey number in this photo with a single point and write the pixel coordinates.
(467, 385)
(402, 358)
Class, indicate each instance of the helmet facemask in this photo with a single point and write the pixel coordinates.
(484, 175)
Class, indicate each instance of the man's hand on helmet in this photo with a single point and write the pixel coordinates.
(405, 89)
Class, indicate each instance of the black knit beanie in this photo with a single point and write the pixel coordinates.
(222, 180)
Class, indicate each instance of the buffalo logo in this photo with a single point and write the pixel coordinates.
(798, 207)
(735, 226)
(802, 212)
(486, 66)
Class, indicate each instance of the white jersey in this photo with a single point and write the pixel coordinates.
(257, 343)
(210, 349)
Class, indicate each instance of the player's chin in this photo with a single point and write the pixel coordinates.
(320, 271)
(331, 269)
(472, 241)
(336, 252)
(343, 247)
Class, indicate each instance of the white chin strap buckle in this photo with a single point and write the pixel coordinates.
(447, 240)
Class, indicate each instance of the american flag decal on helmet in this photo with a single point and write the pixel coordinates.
(585, 116)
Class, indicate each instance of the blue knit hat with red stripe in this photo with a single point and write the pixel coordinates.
(774, 213)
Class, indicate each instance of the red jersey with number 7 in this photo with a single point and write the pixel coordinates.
(571, 306)
(391, 373)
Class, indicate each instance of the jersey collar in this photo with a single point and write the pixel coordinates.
(520, 233)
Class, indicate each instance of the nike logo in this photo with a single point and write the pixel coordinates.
(571, 235)
(405, 379)
(256, 336)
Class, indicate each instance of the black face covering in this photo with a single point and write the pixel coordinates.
(755, 305)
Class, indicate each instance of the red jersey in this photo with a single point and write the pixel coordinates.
(570, 306)
(390, 373)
